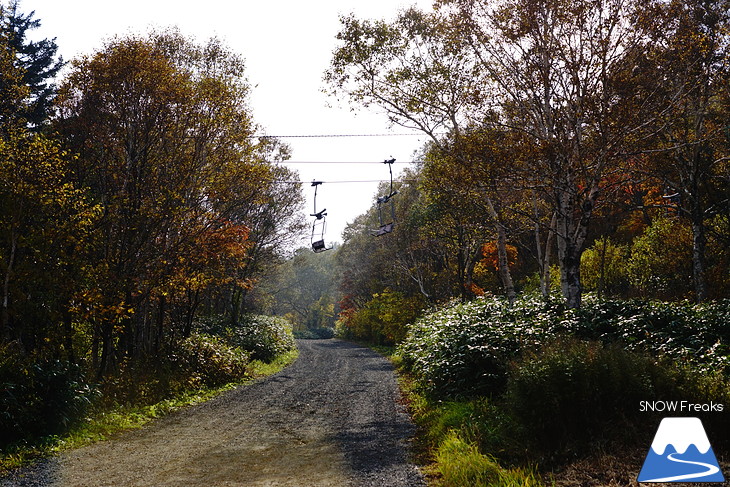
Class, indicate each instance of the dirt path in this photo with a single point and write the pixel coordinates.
(330, 419)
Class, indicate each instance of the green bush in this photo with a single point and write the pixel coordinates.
(603, 267)
(573, 393)
(265, 337)
(382, 320)
(697, 335)
(661, 260)
(40, 397)
(464, 349)
(208, 361)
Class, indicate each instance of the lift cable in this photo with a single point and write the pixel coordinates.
(326, 136)
(342, 162)
(347, 182)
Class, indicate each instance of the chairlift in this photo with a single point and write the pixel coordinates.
(318, 225)
(386, 224)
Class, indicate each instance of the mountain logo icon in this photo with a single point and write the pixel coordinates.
(680, 452)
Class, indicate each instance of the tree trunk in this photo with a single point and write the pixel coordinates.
(108, 359)
(572, 232)
(697, 162)
(95, 348)
(193, 302)
(5, 328)
(161, 310)
(570, 276)
(466, 293)
(502, 258)
(543, 257)
(545, 278)
(602, 268)
(503, 263)
(236, 304)
(699, 242)
(68, 331)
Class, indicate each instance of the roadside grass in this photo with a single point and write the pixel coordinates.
(460, 463)
(449, 435)
(102, 425)
(452, 437)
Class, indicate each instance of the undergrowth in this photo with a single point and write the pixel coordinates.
(454, 438)
(503, 396)
(102, 424)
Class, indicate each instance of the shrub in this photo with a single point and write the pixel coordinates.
(603, 267)
(265, 337)
(696, 335)
(382, 320)
(573, 393)
(40, 397)
(205, 360)
(464, 349)
(661, 260)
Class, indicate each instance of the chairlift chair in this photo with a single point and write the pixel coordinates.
(318, 225)
(386, 226)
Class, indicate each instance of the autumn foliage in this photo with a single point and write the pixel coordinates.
(145, 202)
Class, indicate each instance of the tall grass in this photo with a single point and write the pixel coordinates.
(460, 463)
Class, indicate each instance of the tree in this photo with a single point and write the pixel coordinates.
(275, 222)
(35, 59)
(165, 142)
(660, 263)
(562, 73)
(690, 147)
(303, 289)
(12, 90)
(44, 220)
(418, 71)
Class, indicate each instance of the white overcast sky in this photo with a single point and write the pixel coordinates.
(287, 45)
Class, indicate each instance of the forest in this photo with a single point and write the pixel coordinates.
(137, 196)
(570, 212)
(569, 141)
(562, 250)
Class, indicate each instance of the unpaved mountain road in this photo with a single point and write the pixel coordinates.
(330, 419)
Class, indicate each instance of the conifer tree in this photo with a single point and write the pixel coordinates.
(36, 60)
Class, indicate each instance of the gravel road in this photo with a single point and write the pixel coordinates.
(332, 418)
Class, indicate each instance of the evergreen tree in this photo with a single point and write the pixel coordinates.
(35, 59)
(11, 91)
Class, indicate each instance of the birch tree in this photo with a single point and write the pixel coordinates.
(561, 72)
(416, 69)
(690, 150)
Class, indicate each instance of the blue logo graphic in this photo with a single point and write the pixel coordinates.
(680, 452)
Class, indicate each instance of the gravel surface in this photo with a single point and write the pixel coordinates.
(333, 418)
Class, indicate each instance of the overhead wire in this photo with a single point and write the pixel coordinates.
(346, 182)
(301, 136)
(320, 136)
(344, 162)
